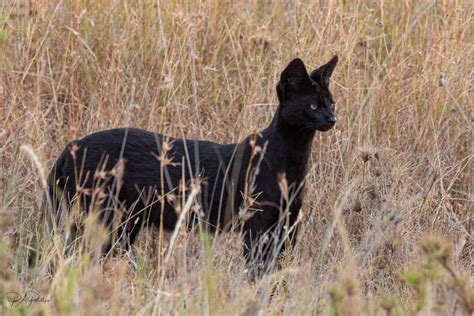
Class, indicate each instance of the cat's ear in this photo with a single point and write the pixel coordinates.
(294, 74)
(292, 79)
(323, 73)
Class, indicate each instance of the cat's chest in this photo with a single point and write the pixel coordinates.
(284, 174)
(295, 168)
(283, 165)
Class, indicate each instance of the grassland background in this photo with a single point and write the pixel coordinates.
(387, 215)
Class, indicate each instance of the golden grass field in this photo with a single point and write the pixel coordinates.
(387, 225)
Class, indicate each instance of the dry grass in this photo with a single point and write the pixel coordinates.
(396, 170)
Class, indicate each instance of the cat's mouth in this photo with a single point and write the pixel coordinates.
(326, 126)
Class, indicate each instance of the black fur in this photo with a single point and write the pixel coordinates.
(240, 183)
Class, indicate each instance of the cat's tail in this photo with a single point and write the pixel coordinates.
(52, 207)
(53, 200)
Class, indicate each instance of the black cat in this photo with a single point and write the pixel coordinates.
(138, 177)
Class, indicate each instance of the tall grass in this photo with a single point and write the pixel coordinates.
(388, 211)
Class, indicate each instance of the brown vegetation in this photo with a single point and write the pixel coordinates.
(388, 212)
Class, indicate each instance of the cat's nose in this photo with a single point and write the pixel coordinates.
(332, 119)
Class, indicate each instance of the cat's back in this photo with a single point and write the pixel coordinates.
(142, 152)
(121, 139)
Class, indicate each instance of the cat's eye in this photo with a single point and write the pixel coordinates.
(313, 107)
(333, 106)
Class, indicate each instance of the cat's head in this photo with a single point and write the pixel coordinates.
(305, 100)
